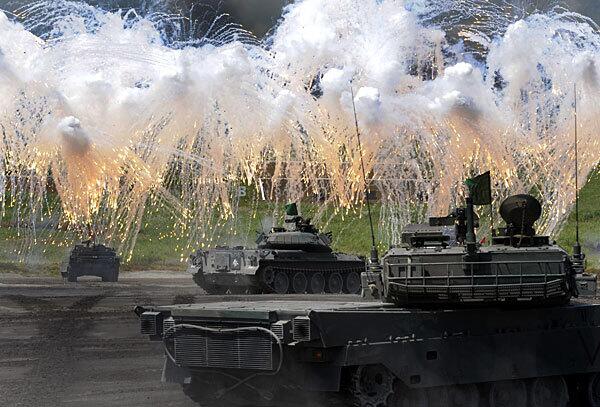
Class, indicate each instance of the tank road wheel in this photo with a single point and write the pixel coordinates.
(508, 393)
(548, 391)
(335, 283)
(464, 395)
(317, 283)
(299, 283)
(352, 285)
(593, 390)
(372, 385)
(281, 283)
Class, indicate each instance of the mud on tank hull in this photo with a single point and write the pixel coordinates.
(240, 271)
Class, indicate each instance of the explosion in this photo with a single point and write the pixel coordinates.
(114, 109)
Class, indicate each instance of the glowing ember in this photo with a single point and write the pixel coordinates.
(118, 110)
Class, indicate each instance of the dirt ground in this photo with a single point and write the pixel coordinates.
(78, 344)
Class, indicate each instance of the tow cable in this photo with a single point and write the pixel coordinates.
(244, 381)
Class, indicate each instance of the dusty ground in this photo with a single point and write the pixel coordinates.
(76, 344)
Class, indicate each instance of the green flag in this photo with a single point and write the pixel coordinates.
(291, 209)
(480, 189)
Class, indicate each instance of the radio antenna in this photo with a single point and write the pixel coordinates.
(374, 254)
(577, 255)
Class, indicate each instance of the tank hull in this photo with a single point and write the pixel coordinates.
(494, 274)
(476, 355)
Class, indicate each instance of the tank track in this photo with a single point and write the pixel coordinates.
(375, 386)
(304, 278)
(329, 277)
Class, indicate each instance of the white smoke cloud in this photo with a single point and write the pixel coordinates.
(368, 103)
(431, 113)
(73, 137)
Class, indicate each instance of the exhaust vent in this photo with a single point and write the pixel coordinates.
(303, 330)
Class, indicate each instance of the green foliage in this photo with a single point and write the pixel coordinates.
(46, 255)
(161, 245)
(589, 223)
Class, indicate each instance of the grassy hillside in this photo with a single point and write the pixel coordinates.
(589, 220)
(350, 231)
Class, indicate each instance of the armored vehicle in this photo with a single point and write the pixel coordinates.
(460, 324)
(437, 265)
(90, 259)
(297, 259)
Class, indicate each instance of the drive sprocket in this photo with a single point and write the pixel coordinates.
(372, 386)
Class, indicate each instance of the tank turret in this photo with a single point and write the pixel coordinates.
(301, 236)
(437, 263)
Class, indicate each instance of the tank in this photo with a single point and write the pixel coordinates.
(292, 259)
(436, 264)
(90, 259)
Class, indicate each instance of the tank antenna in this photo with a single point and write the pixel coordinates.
(374, 254)
(577, 255)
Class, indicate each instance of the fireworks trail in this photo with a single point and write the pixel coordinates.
(113, 109)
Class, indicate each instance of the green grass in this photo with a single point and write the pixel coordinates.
(589, 221)
(19, 254)
(350, 230)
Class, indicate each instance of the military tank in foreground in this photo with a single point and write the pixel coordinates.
(91, 259)
(292, 259)
(460, 324)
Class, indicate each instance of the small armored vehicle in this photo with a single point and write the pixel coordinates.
(90, 259)
(460, 324)
(295, 259)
